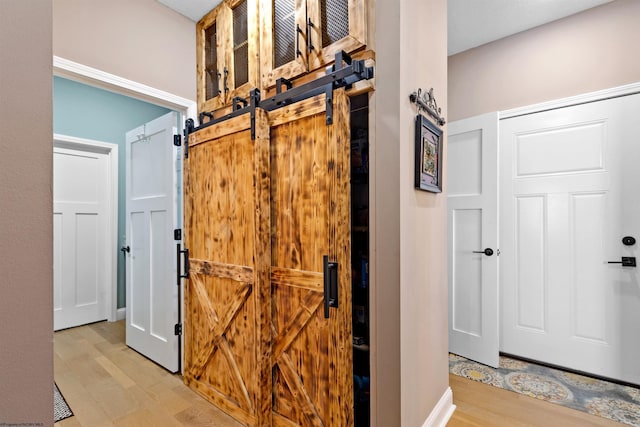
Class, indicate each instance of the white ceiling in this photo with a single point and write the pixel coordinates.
(475, 22)
(471, 22)
(192, 9)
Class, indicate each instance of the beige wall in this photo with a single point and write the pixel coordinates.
(141, 40)
(593, 50)
(26, 260)
(409, 283)
(384, 166)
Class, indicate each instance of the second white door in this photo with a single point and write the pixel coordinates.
(81, 243)
(152, 294)
(569, 197)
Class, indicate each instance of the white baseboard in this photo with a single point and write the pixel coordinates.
(121, 313)
(442, 412)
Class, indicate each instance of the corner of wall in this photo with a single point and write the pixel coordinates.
(26, 212)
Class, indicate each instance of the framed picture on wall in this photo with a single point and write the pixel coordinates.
(428, 173)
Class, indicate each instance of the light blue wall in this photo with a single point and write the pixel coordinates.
(87, 112)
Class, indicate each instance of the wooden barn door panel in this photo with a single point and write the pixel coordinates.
(227, 301)
(311, 355)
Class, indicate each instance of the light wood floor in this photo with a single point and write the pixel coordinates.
(481, 405)
(108, 384)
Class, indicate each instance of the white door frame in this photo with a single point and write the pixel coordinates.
(584, 98)
(111, 150)
(103, 80)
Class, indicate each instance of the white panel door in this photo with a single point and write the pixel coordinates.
(80, 240)
(152, 294)
(472, 206)
(569, 196)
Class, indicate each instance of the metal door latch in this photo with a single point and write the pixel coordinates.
(627, 261)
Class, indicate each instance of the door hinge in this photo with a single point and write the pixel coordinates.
(177, 234)
(189, 127)
(177, 140)
(177, 329)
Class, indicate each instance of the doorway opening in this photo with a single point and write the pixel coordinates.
(70, 74)
(360, 255)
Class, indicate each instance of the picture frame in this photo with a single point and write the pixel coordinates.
(428, 155)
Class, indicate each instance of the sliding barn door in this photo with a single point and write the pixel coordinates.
(311, 354)
(227, 304)
(263, 218)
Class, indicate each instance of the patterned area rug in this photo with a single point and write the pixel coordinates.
(61, 409)
(616, 402)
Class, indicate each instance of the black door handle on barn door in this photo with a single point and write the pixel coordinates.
(185, 252)
(330, 273)
(487, 252)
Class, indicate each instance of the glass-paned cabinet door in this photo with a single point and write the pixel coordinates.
(335, 25)
(227, 61)
(210, 60)
(242, 56)
(284, 40)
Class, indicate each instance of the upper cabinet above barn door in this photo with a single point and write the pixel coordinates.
(227, 56)
(300, 36)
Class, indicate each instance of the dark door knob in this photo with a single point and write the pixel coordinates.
(487, 252)
(125, 249)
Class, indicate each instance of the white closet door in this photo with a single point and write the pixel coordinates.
(569, 196)
(472, 206)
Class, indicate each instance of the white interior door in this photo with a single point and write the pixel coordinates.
(472, 206)
(152, 294)
(80, 240)
(569, 189)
